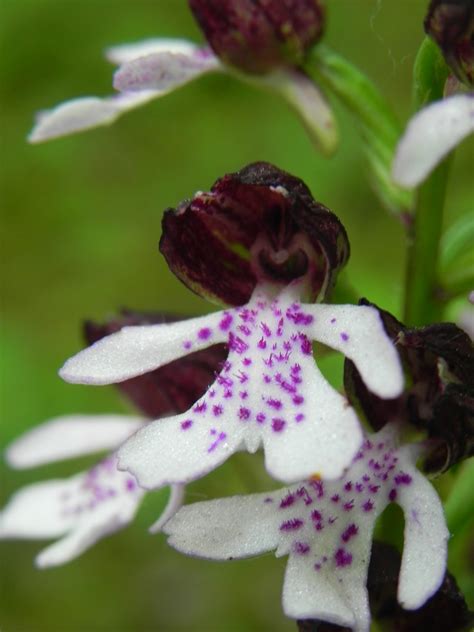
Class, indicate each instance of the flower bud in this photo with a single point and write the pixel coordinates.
(257, 36)
(259, 225)
(172, 388)
(451, 24)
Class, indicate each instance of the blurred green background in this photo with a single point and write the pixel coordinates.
(81, 226)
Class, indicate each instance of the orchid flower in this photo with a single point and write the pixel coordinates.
(90, 505)
(326, 527)
(269, 390)
(84, 508)
(152, 68)
(437, 129)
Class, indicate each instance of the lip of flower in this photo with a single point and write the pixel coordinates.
(152, 68)
(263, 225)
(269, 389)
(430, 135)
(326, 529)
(83, 508)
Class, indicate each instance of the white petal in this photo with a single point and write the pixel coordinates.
(164, 71)
(176, 450)
(310, 104)
(126, 52)
(324, 443)
(133, 351)
(425, 548)
(35, 511)
(311, 595)
(175, 502)
(70, 436)
(431, 134)
(226, 528)
(357, 331)
(85, 113)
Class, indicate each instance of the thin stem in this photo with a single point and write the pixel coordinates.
(424, 232)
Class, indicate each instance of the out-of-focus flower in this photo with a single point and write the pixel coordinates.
(431, 134)
(90, 505)
(438, 128)
(326, 529)
(439, 399)
(269, 389)
(154, 67)
(451, 24)
(86, 507)
(259, 36)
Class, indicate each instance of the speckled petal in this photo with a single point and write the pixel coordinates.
(70, 436)
(178, 449)
(124, 53)
(357, 331)
(227, 528)
(431, 134)
(133, 351)
(85, 113)
(164, 71)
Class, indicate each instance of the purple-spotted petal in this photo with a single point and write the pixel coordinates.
(70, 436)
(172, 388)
(124, 53)
(133, 351)
(175, 502)
(85, 113)
(227, 528)
(83, 509)
(164, 71)
(431, 134)
(178, 449)
(309, 103)
(357, 331)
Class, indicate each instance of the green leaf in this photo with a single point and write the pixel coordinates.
(378, 125)
(456, 243)
(459, 507)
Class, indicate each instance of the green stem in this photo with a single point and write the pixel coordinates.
(424, 232)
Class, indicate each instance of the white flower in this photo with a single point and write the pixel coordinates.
(152, 68)
(431, 134)
(326, 529)
(269, 390)
(84, 508)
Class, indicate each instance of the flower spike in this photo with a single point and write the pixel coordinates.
(326, 529)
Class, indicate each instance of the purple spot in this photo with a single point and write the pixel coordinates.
(368, 505)
(247, 361)
(237, 344)
(243, 394)
(299, 417)
(403, 479)
(262, 344)
(317, 567)
(359, 487)
(349, 533)
(186, 424)
(344, 336)
(278, 424)
(318, 486)
(267, 379)
(268, 500)
(332, 519)
(348, 486)
(266, 330)
(291, 525)
(333, 320)
(392, 495)
(242, 377)
(302, 492)
(301, 548)
(224, 381)
(200, 408)
(274, 403)
(287, 501)
(244, 413)
(130, 485)
(217, 410)
(261, 418)
(219, 439)
(373, 489)
(306, 346)
(226, 322)
(227, 393)
(316, 515)
(349, 505)
(188, 344)
(245, 330)
(342, 558)
(295, 368)
(204, 333)
(298, 399)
